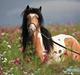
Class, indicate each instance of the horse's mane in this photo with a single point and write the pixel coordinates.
(47, 43)
(25, 35)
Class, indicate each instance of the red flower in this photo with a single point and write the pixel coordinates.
(16, 61)
(45, 58)
(65, 53)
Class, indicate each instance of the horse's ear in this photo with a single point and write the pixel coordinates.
(27, 7)
(40, 8)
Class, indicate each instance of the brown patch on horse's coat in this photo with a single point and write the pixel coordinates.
(37, 42)
(74, 45)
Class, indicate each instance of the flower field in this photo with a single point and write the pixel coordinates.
(11, 58)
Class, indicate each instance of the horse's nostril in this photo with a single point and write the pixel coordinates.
(30, 30)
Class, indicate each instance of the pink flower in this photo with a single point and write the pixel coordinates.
(16, 61)
(21, 49)
(45, 58)
(65, 53)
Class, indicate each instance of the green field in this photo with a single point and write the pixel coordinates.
(12, 62)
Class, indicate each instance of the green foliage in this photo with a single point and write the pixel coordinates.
(12, 62)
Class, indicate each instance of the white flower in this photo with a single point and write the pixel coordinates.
(4, 52)
(25, 72)
(5, 73)
(3, 34)
(9, 46)
(2, 58)
(11, 68)
(19, 38)
(5, 42)
(5, 60)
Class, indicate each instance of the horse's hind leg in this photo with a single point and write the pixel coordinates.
(76, 48)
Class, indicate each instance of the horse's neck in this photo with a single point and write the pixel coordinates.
(38, 42)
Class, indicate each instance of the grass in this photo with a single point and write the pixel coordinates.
(12, 62)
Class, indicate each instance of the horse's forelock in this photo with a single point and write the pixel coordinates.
(35, 11)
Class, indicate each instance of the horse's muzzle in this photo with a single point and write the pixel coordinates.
(32, 28)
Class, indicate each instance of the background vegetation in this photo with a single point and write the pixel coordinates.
(11, 58)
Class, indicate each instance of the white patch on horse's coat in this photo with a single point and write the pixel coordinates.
(41, 41)
(32, 27)
(59, 39)
(32, 15)
(56, 54)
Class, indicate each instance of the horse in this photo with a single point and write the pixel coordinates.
(59, 54)
(32, 27)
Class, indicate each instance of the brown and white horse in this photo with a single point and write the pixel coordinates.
(68, 41)
(31, 32)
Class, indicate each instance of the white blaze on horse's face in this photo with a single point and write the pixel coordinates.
(33, 20)
(33, 15)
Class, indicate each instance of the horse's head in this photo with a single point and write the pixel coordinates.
(32, 18)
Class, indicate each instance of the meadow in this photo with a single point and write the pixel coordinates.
(11, 58)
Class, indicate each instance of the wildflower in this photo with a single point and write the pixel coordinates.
(16, 61)
(4, 52)
(19, 38)
(65, 53)
(9, 46)
(21, 49)
(4, 41)
(5, 73)
(3, 33)
(7, 42)
(4, 60)
(25, 73)
(11, 68)
(73, 34)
